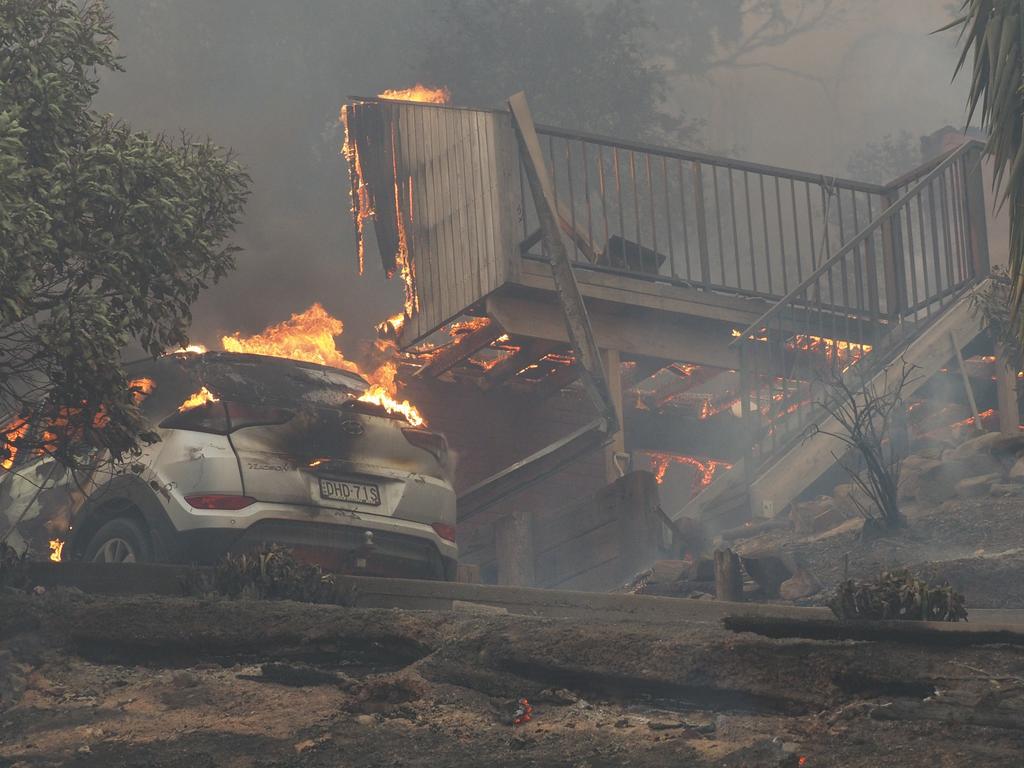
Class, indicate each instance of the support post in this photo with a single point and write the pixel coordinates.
(612, 372)
(1006, 394)
(577, 321)
(967, 382)
(513, 545)
(976, 223)
(728, 579)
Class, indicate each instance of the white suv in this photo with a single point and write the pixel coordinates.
(273, 451)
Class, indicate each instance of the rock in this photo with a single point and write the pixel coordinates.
(828, 520)
(366, 719)
(980, 444)
(769, 571)
(803, 513)
(801, 585)
(973, 487)
(938, 484)
(910, 476)
(1006, 490)
(1017, 470)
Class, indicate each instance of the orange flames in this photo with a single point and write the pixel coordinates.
(12, 432)
(56, 550)
(359, 193)
(706, 468)
(202, 397)
(419, 92)
(309, 336)
(846, 352)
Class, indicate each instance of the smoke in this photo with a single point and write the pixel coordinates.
(267, 78)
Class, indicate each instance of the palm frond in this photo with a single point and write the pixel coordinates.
(992, 33)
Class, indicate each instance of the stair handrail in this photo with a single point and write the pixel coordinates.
(950, 157)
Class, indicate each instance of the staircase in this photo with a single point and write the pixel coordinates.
(897, 293)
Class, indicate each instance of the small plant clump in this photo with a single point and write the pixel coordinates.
(896, 595)
(270, 572)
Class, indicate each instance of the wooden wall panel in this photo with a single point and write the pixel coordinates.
(456, 174)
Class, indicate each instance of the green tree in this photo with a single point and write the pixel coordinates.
(581, 67)
(107, 235)
(992, 35)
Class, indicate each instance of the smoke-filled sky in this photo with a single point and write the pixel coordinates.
(267, 78)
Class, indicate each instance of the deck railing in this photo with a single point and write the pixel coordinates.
(852, 314)
(695, 219)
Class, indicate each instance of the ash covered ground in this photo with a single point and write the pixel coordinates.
(147, 681)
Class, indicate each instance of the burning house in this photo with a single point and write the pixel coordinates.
(720, 298)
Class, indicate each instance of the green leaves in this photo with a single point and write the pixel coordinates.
(107, 235)
(992, 33)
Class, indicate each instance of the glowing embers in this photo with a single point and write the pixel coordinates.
(704, 469)
(844, 352)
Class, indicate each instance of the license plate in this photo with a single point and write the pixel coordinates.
(346, 490)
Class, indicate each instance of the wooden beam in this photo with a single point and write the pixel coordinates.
(968, 389)
(1006, 394)
(459, 350)
(530, 351)
(637, 332)
(557, 381)
(513, 545)
(574, 310)
(613, 374)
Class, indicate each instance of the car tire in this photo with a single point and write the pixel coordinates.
(118, 541)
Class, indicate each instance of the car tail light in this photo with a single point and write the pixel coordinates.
(432, 442)
(219, 501)
(445, 530)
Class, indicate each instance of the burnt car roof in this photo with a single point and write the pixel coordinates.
(244, 377)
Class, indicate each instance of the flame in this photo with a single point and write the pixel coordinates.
(706, 468)
(392, 327)
(202, 397)
(377, 395)
(406, 269)
(359, 193)
(56, 550)
(709, 408)
(846, 352)
(191, 349)
(141, 388)
(307, 336)
(418, 92)
(12, 432)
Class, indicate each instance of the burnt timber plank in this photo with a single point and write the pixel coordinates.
(459, 350)
(530, 351)
(577, 321)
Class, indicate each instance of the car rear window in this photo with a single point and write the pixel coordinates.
(243, 378)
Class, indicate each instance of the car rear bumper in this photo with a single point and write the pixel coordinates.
(372, 545)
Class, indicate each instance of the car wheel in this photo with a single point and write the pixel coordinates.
(118, 541)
